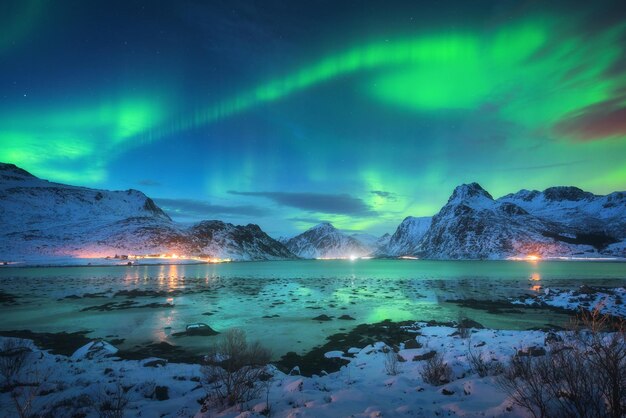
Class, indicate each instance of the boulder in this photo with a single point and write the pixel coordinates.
(95, 349)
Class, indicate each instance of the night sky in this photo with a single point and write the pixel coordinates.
(288, 113)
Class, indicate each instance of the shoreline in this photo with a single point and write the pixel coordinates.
(23, 265)
(566, 303)
(359, 383)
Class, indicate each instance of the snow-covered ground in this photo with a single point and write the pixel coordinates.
(609, 301)
(82, 382)
(362, 388)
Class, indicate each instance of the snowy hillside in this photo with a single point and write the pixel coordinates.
(325, 241)
(372, 242)
(40, 219)
(225, 240)
(406, 239)
(575, 208)
(43, 219)
(474, 225)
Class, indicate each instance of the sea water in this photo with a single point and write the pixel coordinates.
(276, 301)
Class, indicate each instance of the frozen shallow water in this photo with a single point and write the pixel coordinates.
(290, 293)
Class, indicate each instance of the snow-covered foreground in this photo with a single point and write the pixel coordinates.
(609, 301)
(362, 388)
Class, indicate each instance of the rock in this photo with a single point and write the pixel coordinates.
(346, 318)
(295, 371)
(469, 323)
(322, 317)
(585, 290)
(334, 354)
(155, 362)
(409, 344)
(161, 393)
(95, 349)
(295, 386)
(426, 356)
(552, 337)
(447, 392)
(196, 329)
(532, 352)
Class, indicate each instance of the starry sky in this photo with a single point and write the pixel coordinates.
(286, 114)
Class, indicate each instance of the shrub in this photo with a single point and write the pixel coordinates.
(111, 402)
(462, 329)
(14, 355)
(392, 362)
(235, 371)
(436, 371)
(479, 365)
(585, 377)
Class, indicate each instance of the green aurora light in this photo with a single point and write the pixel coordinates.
(547, 92)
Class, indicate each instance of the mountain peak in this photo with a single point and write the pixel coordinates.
(325, 241)
(324, 226)
(469, 191)
(569, 193)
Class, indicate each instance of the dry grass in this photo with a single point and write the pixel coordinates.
(235, 370)
(583, 376)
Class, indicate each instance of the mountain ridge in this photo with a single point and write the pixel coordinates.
(561, 221)
(325, 241)
(55, 220)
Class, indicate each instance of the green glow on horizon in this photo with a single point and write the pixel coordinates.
(73, 144)
(435, 108)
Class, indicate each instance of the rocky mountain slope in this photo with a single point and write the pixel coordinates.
(44, 219)
(407, 237)
(41, 219)
(575, 208)
(559, 222)
(247, 242)
(325, 241)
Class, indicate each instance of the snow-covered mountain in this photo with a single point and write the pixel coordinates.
(325, 241)
(235, 241)
(41, 219)
(575, 208)
(44, 219)
(382, 241)
(368, 240)
(406, 239)
(558, 222)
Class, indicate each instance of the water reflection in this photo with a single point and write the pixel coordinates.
(274, 299)
(535, 277)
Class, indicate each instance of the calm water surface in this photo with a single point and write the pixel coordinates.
(291, 293)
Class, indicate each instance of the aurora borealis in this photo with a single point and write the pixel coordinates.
(358, 113)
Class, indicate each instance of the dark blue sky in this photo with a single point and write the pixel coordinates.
(289, 113)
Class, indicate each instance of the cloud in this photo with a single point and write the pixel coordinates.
(543, 166)
(342, 204)
(149, 182)
(314, 221)
(595, 122)
(384, 194)
(192, 208)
